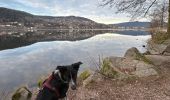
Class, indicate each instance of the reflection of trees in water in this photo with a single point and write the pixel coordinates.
(17, 39)
(7, 42)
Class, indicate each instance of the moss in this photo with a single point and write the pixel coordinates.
(84, 75)
(40, 83)
(107, 70)
(18, 92)
(142, 57)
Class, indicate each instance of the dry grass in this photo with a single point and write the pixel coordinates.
(159, 37)
(84, 75)
(107, 70)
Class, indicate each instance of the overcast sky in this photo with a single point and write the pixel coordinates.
(84, 8)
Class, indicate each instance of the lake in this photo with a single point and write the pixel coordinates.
(25, 65)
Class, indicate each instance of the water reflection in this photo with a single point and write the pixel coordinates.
(14, 39)
(26, 65)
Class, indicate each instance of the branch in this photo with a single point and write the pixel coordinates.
(105, 2)
(150, 7)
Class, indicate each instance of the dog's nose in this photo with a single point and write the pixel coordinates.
(73, 87)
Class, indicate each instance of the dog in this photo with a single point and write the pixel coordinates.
(57, 85)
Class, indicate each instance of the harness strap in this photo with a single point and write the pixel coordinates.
(47, 85)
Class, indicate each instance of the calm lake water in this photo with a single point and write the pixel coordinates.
(25, 65)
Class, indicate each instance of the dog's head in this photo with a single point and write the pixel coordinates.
(68, 74)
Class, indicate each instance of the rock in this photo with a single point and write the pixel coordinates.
(131, 67)
(132, 53)
(94, 77)
(167, 42)
(158, 59)
(156, 49)
(22, 93)
(167, 51)
(87, 81)
(145, 73)
(123, 65)
(144, 70)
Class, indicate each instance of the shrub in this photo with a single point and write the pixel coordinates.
(84, 75)
(107, 70)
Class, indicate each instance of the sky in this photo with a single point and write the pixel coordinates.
(85, 8)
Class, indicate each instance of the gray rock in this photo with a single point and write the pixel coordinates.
(132, 53)
(130, 67)
(167, 42)
(93, 77)
(158, 60)
(167, 51)
(144, 70)
(156, 49)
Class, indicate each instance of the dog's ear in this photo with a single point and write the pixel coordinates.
(77, 65)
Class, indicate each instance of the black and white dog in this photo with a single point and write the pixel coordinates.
(56, 86)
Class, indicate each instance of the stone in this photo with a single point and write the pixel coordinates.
(132, 53)
(143, 70)
(167, 51)
(158, 60)
(156, 49)
(93, 77)
(130, 67)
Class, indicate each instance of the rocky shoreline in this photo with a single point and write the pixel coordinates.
(134, 76)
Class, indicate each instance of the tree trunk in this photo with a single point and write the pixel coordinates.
(168, 29)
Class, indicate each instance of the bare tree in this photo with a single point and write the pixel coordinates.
(159, 16)
(138, 8)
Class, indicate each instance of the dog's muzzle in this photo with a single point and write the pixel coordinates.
(73, 85)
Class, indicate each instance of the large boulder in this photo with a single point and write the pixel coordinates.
(144, 70)
(158, 60)
(167, 51)
(130, 67)
(156, 49)
(132, 64)
(132, 53)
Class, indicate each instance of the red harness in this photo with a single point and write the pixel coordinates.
(47, 85)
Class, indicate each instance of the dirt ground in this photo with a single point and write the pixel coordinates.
(150, 88)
